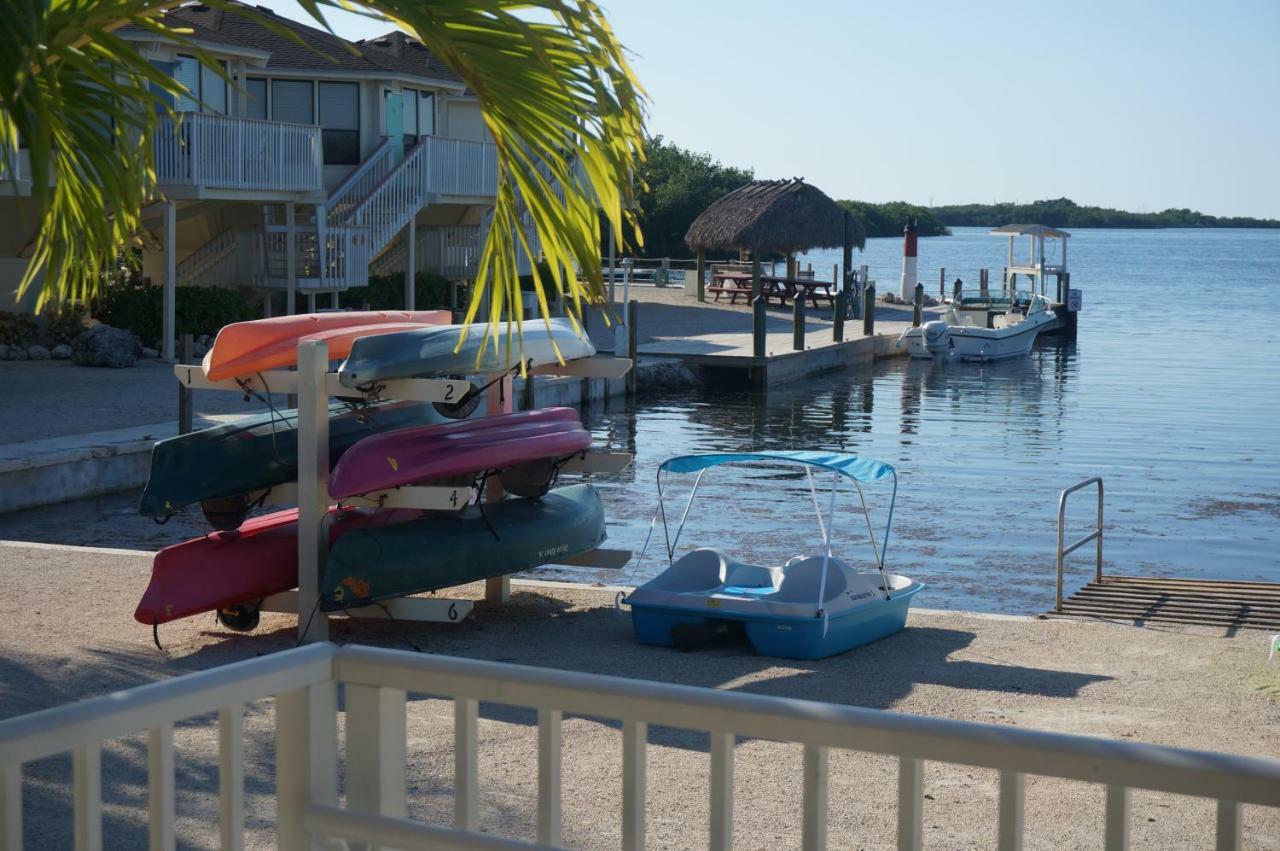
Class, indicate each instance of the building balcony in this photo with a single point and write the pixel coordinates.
(205, 155)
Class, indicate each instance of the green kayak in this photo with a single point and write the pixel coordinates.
(439, 551)
(258, 453)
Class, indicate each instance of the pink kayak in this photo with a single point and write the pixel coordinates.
(424, 453)
(243, 348)
(244, 565)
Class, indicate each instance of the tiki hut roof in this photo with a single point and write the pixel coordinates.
(773, 217)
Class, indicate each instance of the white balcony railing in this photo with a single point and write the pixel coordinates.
(220, 152)
(304, 683)
(344, 262)
(462, 167)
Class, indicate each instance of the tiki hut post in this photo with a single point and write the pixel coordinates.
(701, 273)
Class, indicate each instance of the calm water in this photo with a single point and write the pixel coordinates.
(1172, 394)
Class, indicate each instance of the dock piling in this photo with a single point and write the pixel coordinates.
(942, 283)
(702, 275)
(917, 310)
(797, 323)
(632, 311)
(759, 317)
(956, 289)
(841, 303)
(869, 310)
(982, 283)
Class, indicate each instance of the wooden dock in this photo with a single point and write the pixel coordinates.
(1205, 602)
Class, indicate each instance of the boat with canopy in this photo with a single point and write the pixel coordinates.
(811, 607)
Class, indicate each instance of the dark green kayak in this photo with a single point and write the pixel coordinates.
(255, 454)
(439, 551)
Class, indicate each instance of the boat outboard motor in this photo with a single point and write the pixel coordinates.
(937, 337)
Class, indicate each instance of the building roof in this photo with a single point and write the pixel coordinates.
(773, 217)
(1030, 230)
(310, 48)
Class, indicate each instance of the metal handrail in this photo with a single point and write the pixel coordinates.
(1096, 534)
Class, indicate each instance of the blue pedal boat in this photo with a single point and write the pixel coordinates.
(812, 607)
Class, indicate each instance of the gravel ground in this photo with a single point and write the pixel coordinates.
(66, 632)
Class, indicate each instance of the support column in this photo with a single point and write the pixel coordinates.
(290, 258)
(613, 263)
(410, 264)
(170, 321)
(313, 486)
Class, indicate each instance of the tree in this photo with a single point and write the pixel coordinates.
(680, 185)
(552, 81)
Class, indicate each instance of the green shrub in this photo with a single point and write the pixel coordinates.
(199, 310)
(17, 329)
(386, 292)
(65, 325)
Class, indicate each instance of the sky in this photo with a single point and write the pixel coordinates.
(1128, 104)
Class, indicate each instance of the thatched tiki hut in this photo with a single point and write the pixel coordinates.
(774, 217)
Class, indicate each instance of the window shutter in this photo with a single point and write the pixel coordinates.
(291, 101)
(213, 90)
(187, 72)
(340, 106)
(256, 105)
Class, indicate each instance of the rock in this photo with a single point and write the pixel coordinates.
(890, 298)
(150, 353)
(4, 352)
(17, 353)
(106, 346)
(61, 352)
(37, 353)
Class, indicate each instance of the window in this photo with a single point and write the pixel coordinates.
(291, 101)
(419, 116)
(255, 97)
(207, 89)
(340, 123)
(187, 72)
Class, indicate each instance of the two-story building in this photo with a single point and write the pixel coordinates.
(372, 154)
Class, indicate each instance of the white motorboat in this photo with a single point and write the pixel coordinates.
(983, 328)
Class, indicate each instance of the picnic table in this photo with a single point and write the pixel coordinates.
(736, 284)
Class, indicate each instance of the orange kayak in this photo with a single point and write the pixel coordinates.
(243, 348)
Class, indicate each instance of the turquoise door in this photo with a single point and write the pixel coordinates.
(395, 118)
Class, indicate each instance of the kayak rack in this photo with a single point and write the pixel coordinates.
(314, 383)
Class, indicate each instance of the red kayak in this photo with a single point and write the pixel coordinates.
(243, 348)
(243, 565)
(425, 453)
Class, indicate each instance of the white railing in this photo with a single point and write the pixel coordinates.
(376, 682)
(462, 167)
(345, 260)
(356, 186)
(213, 264)
(395, 200)
(221, 152)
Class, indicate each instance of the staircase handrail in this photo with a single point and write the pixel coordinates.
(377, 161)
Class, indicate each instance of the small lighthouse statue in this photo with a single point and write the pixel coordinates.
(909, 260)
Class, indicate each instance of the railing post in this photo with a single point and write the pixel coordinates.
(910, 803)
(869, 310)
(814, 834)
(160, 794)
(231, 778)
(1012, 797)
(634, 738)
(466, 712)
(86, 772)
(797, 322)
(917, 310)
(549, 747)
(375, 735)
(313, 484)
(11, 808)
(1099, 551)
(721, 791)
(1228, 832)
(1116, 836)
(306, 759)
